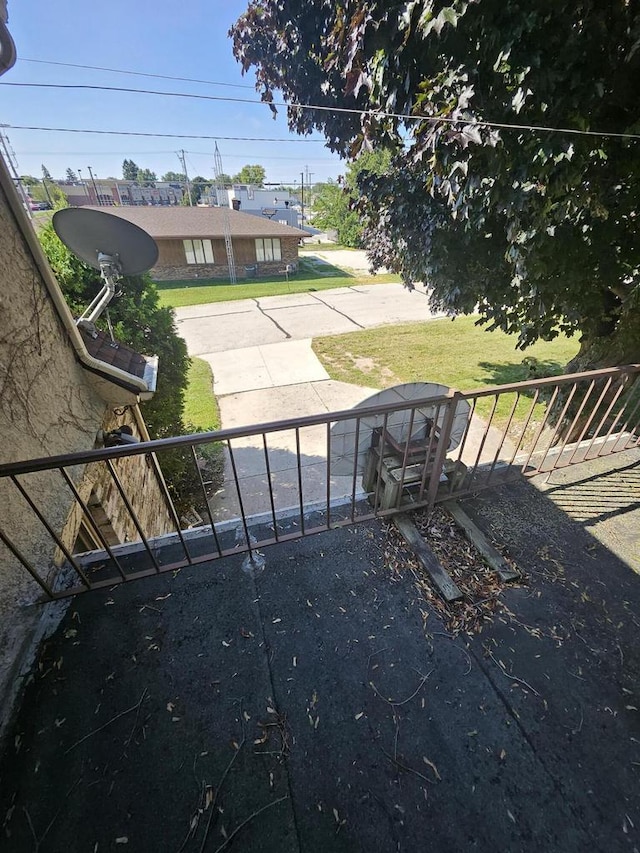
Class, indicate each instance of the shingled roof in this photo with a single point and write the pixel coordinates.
(178, 223)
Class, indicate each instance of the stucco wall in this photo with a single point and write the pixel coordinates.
(48, 405)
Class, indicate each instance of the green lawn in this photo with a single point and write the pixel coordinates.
(310, 277)
(200, 406)
(455, 353)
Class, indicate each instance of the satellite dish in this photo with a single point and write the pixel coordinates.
(108, 243)
(347, 454)
(91, 233)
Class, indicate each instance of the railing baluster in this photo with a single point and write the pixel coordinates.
(505, 437)
(132, 514)
(271, 500)
(206, 499)
(405, 456)
(426, 471)
(565, 408)
(603, 420)
(88, 517)
(174, 515)
(485, 434)
(51, 532)
(589, 420)
(538, 432)
(355, 471)
(615, 421)
(299, 467)
(236, 481)
(20, 556)
(328, 474)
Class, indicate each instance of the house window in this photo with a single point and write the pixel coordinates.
(198, 251)
(268, 249)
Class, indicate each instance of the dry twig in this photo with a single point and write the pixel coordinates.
(512, 677)
(248, 820)
(395, 704)
(135, 707)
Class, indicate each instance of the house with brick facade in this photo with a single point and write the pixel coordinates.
(191, 241)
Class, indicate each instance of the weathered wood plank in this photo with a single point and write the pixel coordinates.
(493, 557)
(444, 584)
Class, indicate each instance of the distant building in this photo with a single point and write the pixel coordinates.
(191, 241)
(278, 205)
(109, 193)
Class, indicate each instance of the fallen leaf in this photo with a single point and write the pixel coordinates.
(359, 715)
(336, 815)
(122, 840)
(503, 754)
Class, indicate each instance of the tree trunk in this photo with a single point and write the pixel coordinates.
(622, 347)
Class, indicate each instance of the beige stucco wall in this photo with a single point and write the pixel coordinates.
(49, 404)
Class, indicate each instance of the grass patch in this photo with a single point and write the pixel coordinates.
(318, 246)
(459, 354)
(309, 278)
(200, 406)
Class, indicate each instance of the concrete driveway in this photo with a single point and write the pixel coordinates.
(225, 326)
(265, 369)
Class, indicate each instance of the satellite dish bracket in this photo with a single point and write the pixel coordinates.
(110, 273)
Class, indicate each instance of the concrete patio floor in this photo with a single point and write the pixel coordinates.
(312, 708)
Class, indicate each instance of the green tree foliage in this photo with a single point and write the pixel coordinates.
(29, 180)
(130, 170)
(174, 177)
(225, 180)
(250, 175)
(46, 174)
(336, 207)
(139, 322)
(536, 230)
(72, 178)
(146, 178)
(332, 213)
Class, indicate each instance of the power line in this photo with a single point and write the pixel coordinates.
(136, 73)
(476, 123)
(162, 135)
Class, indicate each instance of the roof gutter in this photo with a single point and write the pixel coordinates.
(119, 377)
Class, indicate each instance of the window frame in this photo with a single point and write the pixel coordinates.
(198, 252)
(268, 249)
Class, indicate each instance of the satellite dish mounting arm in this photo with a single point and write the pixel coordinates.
(110, 273)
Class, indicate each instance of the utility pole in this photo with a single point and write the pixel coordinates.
(95, 188)
(183, 161)
(302, 195)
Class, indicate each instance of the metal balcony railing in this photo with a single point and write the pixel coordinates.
(288, 479)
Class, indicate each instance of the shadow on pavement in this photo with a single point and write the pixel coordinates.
(320, 706)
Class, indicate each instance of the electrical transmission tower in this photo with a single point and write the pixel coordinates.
(217, 169)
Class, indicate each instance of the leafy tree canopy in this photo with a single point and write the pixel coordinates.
(46, 174)
(335, 206)
(537, 230)
(130, 170)
(146, 177)
(174, 177)
(72, 178)
(250, 175)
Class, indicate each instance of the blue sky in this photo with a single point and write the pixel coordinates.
(187, 39)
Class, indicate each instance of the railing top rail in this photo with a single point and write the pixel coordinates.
(561, 379)
(183, 441)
